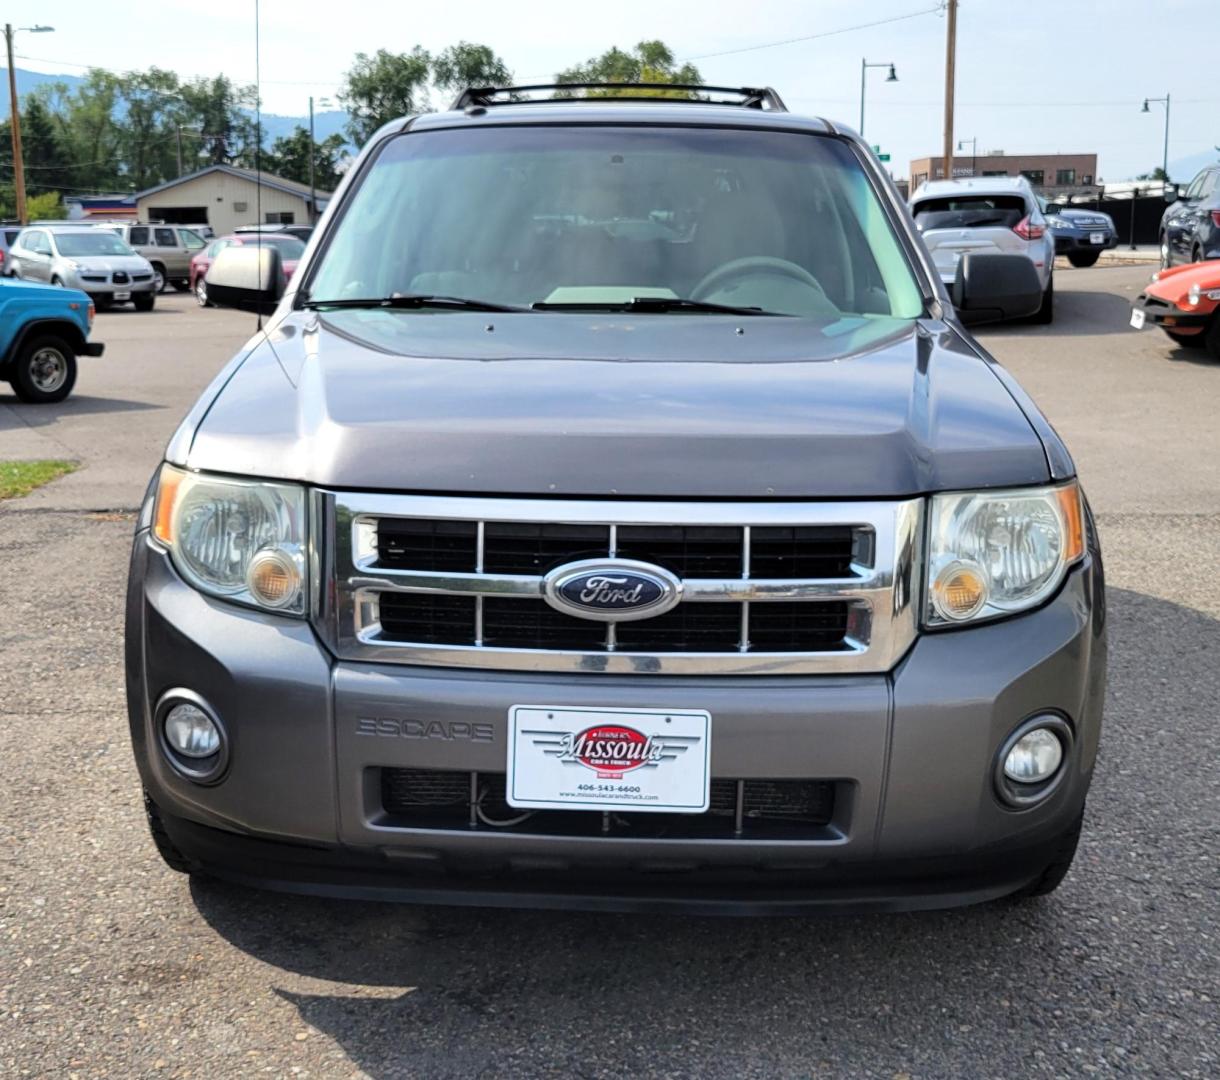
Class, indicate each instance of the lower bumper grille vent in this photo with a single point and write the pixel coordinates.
(441, 799)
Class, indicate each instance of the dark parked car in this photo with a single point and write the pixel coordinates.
(1190, 227)
(614, 510)
(1081, 235)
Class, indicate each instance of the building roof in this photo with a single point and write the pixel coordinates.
(276, 183)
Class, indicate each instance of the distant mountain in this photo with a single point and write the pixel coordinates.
(1183, 169)
(274, 126)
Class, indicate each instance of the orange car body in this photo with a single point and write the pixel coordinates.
(1184, 301)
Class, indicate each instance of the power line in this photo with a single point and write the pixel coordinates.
(814, 37)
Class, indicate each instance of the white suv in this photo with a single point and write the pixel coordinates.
(992, 215)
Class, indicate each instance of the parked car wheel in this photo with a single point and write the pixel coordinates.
(159, 279)
(44, 371)
(181, 285)
(102, 301)
(1082, 259)
(1046, 313)
(1211, 336)
(144, 301)
(57, 282)
(1057, 869)
(201, 292)
(1164, 252)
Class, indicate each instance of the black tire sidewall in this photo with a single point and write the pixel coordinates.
(1082, 262)
(19, 371)
(138, 302)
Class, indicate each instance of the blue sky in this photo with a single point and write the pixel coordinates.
(1034, 76)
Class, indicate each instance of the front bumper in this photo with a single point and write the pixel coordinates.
(1077, 240)
(106, 287)
(911, 753)
(1167, 316)
(92, 348)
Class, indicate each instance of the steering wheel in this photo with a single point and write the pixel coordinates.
(751, 265)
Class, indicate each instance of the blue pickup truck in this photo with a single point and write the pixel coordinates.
(43, 329)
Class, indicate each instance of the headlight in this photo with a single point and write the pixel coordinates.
(243, 540)
(1057, 223)
(1192, 297)
(992, 553)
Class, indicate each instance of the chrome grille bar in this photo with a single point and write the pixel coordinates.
(880, 591)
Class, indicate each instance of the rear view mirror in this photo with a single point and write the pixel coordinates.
(990, 288)
(246, 276)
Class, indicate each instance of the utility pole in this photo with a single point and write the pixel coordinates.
(18, 162)
(950, 63)
(179, 128)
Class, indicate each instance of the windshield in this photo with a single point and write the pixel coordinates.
(600, 216)
(288, 246)
(102, 242)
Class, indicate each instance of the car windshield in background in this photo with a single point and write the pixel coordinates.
(969, 212)
(598, 217)
(101, 242)
(288, 246)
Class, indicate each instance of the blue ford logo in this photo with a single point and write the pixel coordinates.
(611, 590)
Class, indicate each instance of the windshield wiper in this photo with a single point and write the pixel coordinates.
(649, 305)
(407, 301)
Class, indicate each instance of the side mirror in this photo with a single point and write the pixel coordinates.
(990, 288)
(1171, 195)
(246, 276)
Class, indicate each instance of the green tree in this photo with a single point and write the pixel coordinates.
(648, 62)
(46, 206)
(289, 158)
(1157, 174)
(381, 87)
(218, 128)
(42, 149)
(465, 65)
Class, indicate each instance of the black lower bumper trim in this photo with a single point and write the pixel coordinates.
(900, 885)
(93, 348)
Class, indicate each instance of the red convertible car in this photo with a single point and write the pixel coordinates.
(290, 247)
(1184, 301)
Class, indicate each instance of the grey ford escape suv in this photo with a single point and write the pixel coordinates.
(615, 511)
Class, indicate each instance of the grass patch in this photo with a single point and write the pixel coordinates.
(19, 478)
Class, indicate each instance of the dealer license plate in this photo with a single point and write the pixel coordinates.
(1097, 238)
(573, 758)
(122, 296)
(1137, 318)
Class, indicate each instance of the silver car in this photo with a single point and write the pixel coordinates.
(96, 261)
(990, 215)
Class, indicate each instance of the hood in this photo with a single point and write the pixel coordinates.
(664, 406)
(1173, 283)
(133, 264)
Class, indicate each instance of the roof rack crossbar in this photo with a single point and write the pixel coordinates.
(748, 97)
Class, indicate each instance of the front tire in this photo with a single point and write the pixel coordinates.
(1165, 257)
(1187, 341)
(1211, 336)
(159, 279)
(44, 371)
(1082, 259)
(1046, 313)
(144, 301)
(201, 292)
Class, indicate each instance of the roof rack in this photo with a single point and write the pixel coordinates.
(747, 97)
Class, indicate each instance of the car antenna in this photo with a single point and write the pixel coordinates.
(258, 157)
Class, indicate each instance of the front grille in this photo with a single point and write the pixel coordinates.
(120, 277)
(770, 808)
(764, 588)
(533, 624)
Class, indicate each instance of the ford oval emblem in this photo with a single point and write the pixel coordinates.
(611, 590)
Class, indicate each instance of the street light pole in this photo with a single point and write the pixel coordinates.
(864, 66)
(950, 73)
(1165, 153)
(18, 162)
(974, 151)
(313, 150)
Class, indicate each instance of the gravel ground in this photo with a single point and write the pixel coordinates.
(111, 966)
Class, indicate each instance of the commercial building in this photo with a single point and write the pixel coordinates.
(224, 196)
(1051, 173)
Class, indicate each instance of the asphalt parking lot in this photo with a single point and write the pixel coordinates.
(111, 966)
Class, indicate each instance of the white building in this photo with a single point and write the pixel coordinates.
(224, 196)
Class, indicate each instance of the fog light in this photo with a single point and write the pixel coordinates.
(191, 732)
(1035, 757)
(959, 591)
(273, 577)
